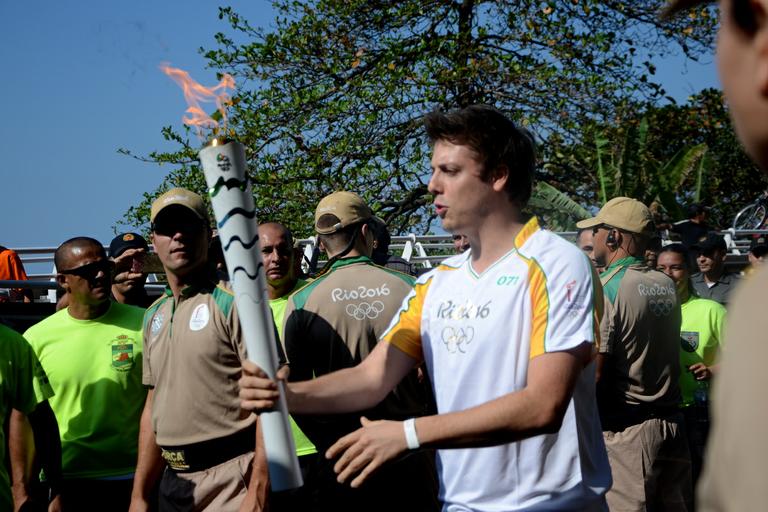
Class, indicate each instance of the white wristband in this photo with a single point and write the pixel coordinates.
(411, 439)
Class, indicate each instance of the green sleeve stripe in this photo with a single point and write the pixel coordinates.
(409, 279)
(150, 312)
(611, 288)
(301, 296)
(223, 299)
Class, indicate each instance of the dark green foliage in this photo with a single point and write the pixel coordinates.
(331, 97)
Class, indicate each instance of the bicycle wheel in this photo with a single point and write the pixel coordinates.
(751, 217)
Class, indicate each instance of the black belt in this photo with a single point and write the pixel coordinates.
(625, 415)
(206, 454)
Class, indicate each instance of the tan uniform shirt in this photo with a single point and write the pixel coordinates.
(736, 464)
(333, 323)
(640, 330)
(192, 358)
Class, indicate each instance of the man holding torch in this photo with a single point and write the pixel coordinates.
(192, 424)
(507, 331)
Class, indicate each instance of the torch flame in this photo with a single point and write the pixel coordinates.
(194, 94)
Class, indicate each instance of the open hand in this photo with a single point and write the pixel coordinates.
(366, 449)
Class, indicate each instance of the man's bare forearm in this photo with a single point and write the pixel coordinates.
(150, 463)
(258, 487)
(47, 444)
(21, 451)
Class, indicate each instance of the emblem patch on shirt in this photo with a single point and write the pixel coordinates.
(122, 353)
(200, 317)
(157, 324)
(689, 341)
(575, 300)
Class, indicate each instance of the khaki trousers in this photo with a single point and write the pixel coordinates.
(651, 467)
(221, 488)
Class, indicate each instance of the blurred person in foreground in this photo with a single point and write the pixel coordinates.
(638, 365)
(701, 335)
(128, 252)
(507, 331)
(737, 453)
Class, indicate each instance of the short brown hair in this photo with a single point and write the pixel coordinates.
(496, 140)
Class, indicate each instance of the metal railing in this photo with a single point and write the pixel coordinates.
(424, 251)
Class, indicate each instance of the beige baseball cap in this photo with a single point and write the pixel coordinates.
(675, 6)
(182, 197)
(623, 213)
(348, 207)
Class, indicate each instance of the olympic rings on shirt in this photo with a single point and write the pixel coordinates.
(365, 310)
(455, 338)
(661, 307)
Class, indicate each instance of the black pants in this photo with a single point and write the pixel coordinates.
(86, 495)
(409, 483)
(697, 430)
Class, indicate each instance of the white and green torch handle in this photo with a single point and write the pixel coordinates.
(225, 171)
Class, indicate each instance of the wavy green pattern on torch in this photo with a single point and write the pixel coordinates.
(236, 211)
(230, 184)
(246, 245)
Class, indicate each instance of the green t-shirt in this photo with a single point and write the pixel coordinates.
(23, 385)
(303, 445)
(700, 339)
(278, 306)
(94, 367)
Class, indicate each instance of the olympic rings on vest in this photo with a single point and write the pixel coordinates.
(365, 310)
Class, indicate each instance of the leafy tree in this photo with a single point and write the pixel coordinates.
(333, 96)
(673, 155)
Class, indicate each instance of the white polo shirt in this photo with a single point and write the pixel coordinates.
(477, 334)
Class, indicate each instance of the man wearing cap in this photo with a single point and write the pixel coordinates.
(91, 351)
(128, 252)
(192, 425)
(737, 458)
(334, 323)
(638, 368)
(506, 331)
(712, 281)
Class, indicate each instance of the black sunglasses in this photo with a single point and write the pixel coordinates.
(91, 270)
(170, 226)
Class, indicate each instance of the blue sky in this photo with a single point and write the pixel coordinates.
(80, 80)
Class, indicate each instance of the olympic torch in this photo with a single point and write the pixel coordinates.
(224, 166)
